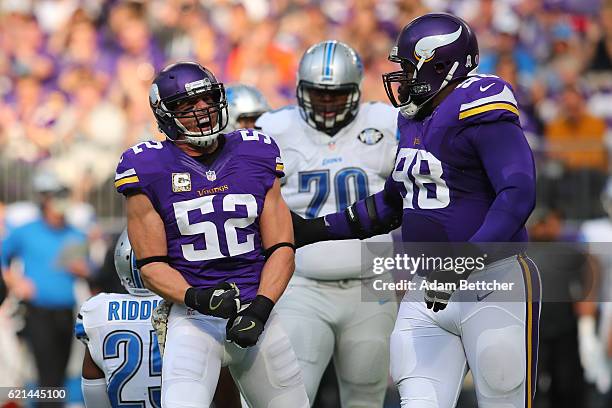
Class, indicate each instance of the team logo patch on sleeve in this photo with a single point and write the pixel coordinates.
(181, 182)
(370, 136)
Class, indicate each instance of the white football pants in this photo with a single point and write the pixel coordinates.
(325, 319)
(267, 374)
(493, 333)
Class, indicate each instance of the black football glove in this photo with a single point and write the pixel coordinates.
(219, 301)
(437, 299)
(246, 328)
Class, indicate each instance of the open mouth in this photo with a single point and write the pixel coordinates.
(204, 124)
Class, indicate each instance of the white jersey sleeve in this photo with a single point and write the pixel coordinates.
(280, 124)
(118, 332)
(325, 174)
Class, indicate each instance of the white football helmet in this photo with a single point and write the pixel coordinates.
(125, 265)
(244, 102)
(329, 71)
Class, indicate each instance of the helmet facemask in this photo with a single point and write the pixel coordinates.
(434, 50)
(406, 91)
(198, 116)
(328, 108)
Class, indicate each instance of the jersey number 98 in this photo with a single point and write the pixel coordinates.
(421, 170)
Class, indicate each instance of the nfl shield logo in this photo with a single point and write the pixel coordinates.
(211, 175)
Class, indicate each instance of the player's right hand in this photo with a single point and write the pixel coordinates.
(438, 295)
(220, 301)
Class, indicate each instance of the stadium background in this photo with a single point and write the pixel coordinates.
(75, 76)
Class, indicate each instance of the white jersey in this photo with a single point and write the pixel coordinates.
(122, 342)
(598, 232)
(325, 174)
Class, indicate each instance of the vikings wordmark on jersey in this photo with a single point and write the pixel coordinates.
(210, 211)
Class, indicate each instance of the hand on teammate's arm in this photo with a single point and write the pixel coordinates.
(276, 227)
(377, 214)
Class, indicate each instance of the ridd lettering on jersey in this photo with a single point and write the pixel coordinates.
(131, 309)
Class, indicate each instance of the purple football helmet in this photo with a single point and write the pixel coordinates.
(433, 50)
(187, 100)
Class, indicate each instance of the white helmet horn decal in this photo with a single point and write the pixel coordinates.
(425, 48)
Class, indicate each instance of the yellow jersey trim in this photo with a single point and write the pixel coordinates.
(487, 108)
(126, 180)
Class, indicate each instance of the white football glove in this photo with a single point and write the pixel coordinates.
(592, 355)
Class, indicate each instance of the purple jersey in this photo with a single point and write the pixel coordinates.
(210, 212)
(465, 173)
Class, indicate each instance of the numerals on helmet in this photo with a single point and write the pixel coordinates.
(421, 172)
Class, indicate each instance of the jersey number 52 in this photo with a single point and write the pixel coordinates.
(208, 229)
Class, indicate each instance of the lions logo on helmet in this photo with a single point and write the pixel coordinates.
(125, 265)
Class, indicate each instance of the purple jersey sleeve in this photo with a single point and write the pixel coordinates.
(138, 168)
(487, 100)
(508, 162)
(262, 158)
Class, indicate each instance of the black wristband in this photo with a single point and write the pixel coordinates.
(260, 307)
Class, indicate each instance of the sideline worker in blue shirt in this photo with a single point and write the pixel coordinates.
(53, 254)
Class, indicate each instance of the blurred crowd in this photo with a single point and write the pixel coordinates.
(75, 74)
(75, 77)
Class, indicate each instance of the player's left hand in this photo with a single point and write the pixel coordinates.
(437, 298)
(246, 328)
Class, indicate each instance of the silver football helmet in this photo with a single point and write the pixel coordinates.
(244, 102)
(125, 265)
(329, 86)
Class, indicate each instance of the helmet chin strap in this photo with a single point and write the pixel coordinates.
(409, 111)
(449, 76)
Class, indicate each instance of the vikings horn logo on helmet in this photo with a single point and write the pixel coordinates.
(426, 47)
